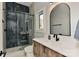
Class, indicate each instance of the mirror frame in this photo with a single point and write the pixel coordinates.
(69, 20)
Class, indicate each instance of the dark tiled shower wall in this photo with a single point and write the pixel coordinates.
(15, 7)
(11, 23)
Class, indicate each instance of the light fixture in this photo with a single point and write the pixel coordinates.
(50, 3)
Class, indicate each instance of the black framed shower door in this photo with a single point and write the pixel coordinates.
(15, 23)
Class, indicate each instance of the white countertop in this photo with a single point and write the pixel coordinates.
(66, 45)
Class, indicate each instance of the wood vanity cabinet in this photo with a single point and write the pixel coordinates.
(40, 50)
(52, 53)
(36, 49)
(43, 51)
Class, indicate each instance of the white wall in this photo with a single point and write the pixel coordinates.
(74, 16)
(1, 28)
(39, 6)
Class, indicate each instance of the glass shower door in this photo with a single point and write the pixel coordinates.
(11, 34)
(22, 35)
(19, 29)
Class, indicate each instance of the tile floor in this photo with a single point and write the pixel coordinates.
(20, 52)
(29, 51)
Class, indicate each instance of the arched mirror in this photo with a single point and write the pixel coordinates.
(60, 20)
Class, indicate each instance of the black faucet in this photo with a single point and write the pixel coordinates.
(56, 36)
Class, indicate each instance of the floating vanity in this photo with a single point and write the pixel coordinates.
(66, 47)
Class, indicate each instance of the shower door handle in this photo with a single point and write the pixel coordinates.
(5, 30)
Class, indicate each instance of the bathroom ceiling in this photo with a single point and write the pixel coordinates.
(25, 3)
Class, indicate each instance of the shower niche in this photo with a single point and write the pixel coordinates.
(18, 24)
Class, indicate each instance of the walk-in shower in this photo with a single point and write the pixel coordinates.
(19, 29)
(19, 25)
